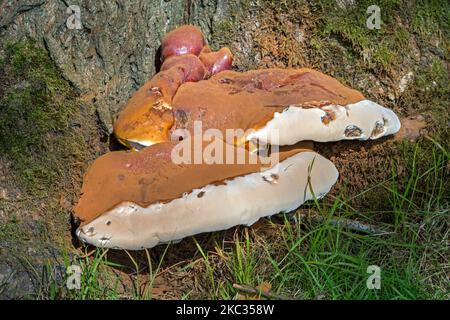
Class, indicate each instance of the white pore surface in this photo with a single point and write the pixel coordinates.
(242, 200)
(296, 124)
(145, 143)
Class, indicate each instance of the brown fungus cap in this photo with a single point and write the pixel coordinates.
(228, 100)
(234, 100)
(148, 114)
(150, 176)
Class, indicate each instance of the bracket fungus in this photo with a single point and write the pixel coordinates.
(148, 115)
(299, 104)
(139, 199)
(135, 200)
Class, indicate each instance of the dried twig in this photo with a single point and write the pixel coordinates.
(350, 224)
(357, 226)
(87, 254)
(259, 292)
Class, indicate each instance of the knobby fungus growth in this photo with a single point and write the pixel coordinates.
(139, 199)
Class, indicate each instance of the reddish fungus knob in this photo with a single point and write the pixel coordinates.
(191, 66)
(218, 61)
(183, 40)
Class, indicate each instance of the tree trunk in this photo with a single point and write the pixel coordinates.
(113, 49)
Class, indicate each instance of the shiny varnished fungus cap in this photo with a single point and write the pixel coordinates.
(218, 61)
(134, 200)
(147, 117)
(297, 104)
(186, 39)
(192, 67)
